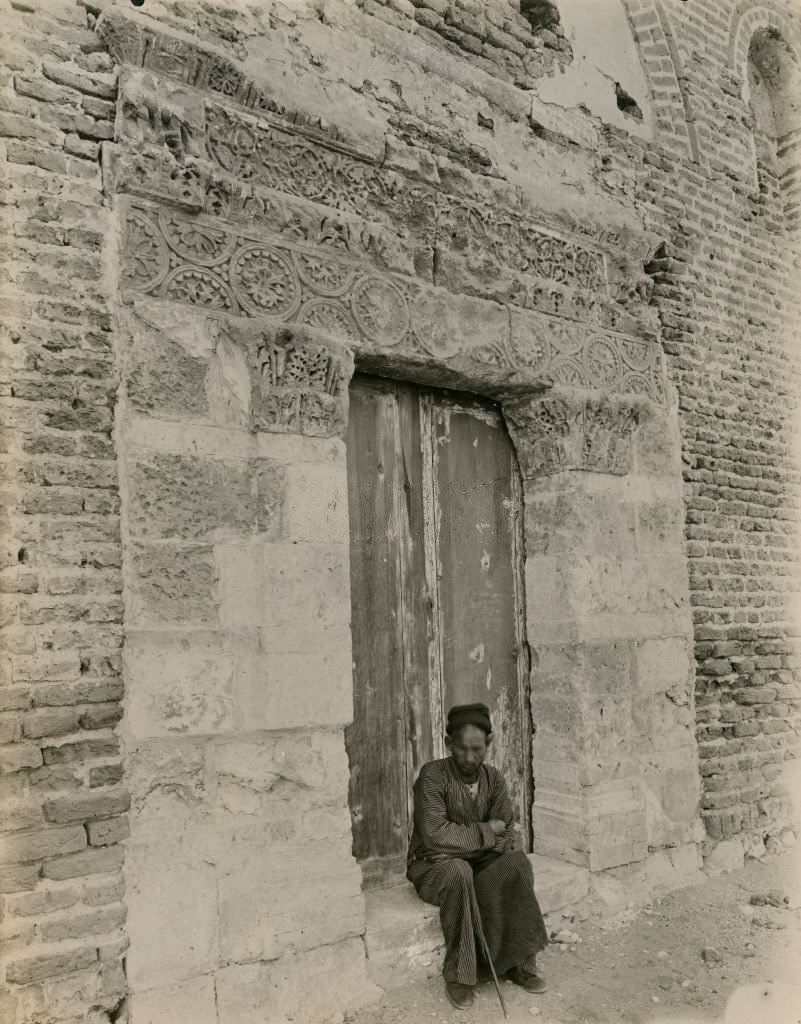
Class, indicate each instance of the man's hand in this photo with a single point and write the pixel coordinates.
(497, 826)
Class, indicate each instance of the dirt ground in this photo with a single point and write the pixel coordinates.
(679, 959)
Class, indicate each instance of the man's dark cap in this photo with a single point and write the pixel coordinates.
(469, 714)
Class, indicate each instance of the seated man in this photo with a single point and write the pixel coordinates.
(461, 860)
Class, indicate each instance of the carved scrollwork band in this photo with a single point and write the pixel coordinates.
(570, 430)
(273, 155)
(193, 261)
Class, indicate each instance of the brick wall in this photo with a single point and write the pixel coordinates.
(725, 284)
(62, 804)
(517, 42)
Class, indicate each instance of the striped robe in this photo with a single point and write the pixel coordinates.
(478, 882)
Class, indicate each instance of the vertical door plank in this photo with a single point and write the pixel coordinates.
(417, 601)
(376, 739)
(474, 473)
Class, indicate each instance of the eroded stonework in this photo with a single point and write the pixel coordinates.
(301, 386)
(568, 430)
(199, 262)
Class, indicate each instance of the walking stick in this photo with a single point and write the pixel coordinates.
(488, 958)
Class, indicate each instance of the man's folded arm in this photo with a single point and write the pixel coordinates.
(438, 833)
(501, 809)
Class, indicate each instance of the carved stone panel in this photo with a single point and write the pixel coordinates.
(165, 116)
(569, 429)
(299, 385)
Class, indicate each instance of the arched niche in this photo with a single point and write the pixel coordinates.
(772, 88)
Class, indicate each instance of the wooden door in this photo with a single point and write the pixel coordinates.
(436, 608)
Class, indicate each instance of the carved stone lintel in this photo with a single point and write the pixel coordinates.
(202, 262)
(571, 429)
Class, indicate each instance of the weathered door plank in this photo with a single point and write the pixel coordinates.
(376, 740)
(474, 472)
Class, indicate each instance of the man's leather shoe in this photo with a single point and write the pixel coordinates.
(459, 996)
(530, 982)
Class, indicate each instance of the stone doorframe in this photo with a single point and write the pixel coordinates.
(615, 766)
(587, 406)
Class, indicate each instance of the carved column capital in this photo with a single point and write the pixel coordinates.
(300, 384)
(572, 429)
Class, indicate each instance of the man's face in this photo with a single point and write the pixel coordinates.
(468, 749)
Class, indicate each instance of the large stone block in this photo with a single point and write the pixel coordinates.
(633, 625)
(667, 583)
(170, 583)
(660, 525)
(195, 498)
(283, 689)
(669, 722)
(172, 915)
(169, 783)
(274, 584)
(307, 769)
(163, 375)
(571, 676)
(305, 896)
(673, 868)
(724, 856)
(664, 664)
(173, 437)
(671, 791)
(657, 447)
(316, 506)
(228, 384)
(309, 986)
(178, 684)
(548, 596)
(559, 837)
(192, 1000)
(566, 520)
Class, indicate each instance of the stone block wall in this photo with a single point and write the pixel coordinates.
(608, 619)
(238, 666)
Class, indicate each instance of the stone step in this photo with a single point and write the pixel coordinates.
(403, 934)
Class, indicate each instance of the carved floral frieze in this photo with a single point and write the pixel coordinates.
(200, 262)
(276, 156)
(514, 242)
(492, 249)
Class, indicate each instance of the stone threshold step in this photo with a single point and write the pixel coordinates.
(403, 934)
